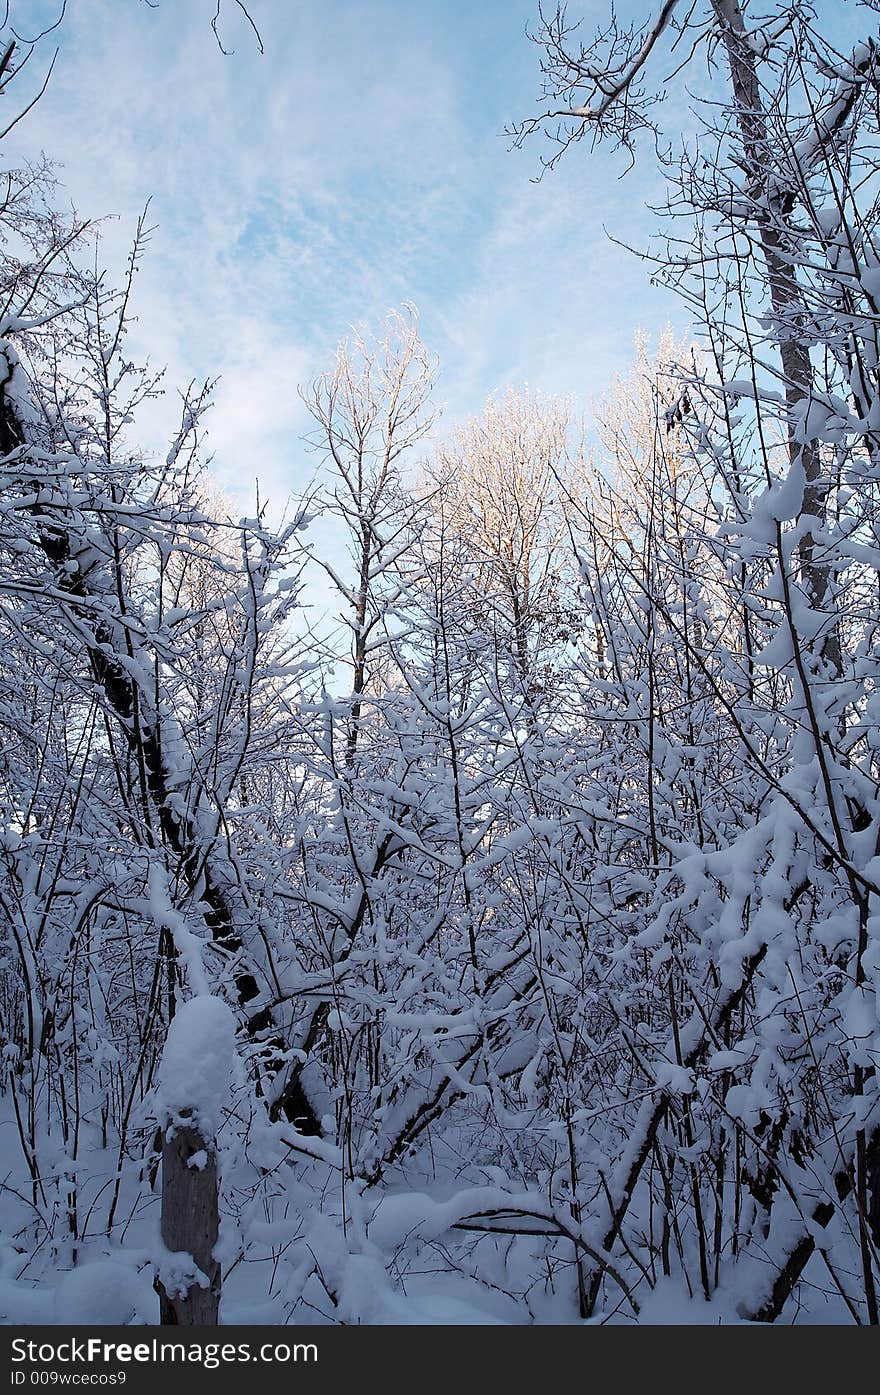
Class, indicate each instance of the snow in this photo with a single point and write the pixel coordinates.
(560, 936)
(103, 1293)
(187, 944)
(199, 1065)
(870, 279)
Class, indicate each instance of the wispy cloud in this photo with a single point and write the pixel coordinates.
(357, 164)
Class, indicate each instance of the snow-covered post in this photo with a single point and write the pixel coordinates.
(198, 1065)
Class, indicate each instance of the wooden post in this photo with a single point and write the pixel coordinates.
(190, 1223)
(198, 1068)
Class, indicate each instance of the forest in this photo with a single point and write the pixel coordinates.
(508, 950)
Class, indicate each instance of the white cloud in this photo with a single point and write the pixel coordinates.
(355, 165)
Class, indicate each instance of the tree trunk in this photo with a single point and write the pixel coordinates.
(786, 299)
(144, 736)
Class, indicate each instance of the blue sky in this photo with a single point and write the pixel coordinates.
(357, 163)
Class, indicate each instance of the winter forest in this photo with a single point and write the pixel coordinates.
(497, 941)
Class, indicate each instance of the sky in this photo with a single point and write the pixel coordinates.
(358, 163)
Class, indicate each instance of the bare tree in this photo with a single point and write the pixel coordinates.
(371, 409)
(775, 158)
(499, 483)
